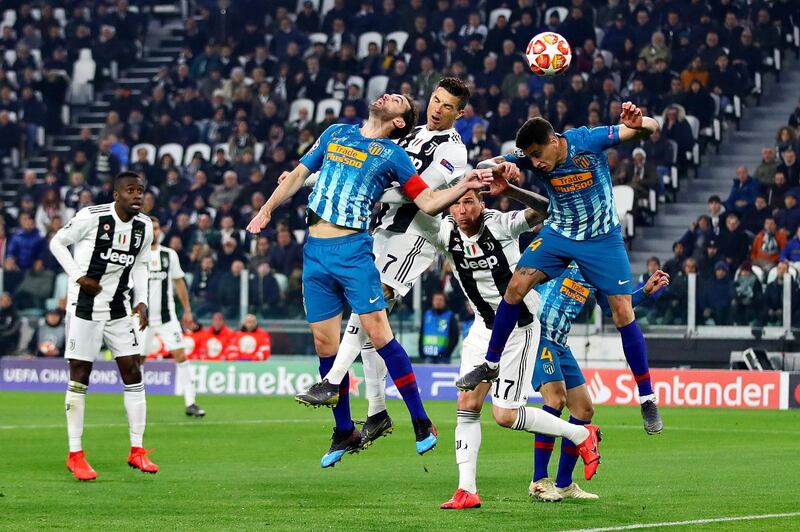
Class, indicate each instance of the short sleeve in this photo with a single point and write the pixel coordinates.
(76, 229)
(513, 223)
(175, 270)
(449, 165)
(314, 157)
(600, 138)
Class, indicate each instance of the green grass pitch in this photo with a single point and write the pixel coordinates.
(253, 463)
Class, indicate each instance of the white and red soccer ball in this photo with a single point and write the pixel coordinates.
(548, 54)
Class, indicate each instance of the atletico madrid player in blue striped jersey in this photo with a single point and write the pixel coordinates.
(355, 166)
(582, 226)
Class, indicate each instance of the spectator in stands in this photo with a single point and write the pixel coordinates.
(105, 165)
(285, 255)
(49, 208)
(49, 338)
(10, 326)
(265, 294)
(746, 303)
(467, 122)
(695, 71)
(677, 129)
(674, 265)
(768, 245)
(699, 103)
(438, 332)
(786, 139)
(715, 303)
(228, 288)
(791, 252)
(642, 176)
(733, 242)
(36, 287)
(72, 192)
(754, 217)
(205, 280)
(772, 300)
(677, 295)
(790, 167)
(777, 191)
(707, 259)
(614, 39)
(743, 192)
(765, 173)
(789, 217)
(10, 135)
(794, 118)
(697, 237)
(716, 211)
(657, 49)
(25, 246)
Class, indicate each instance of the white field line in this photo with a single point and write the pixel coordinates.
(692, 522)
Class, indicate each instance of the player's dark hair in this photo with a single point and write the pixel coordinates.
(122, 176)
(457, 88)
(410, 118)
(535, 131)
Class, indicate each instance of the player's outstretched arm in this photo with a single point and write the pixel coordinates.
(634, 125)
(500, 186)
(433, 202)
(285, 190)
(491, 163)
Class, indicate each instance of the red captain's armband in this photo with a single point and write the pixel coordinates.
(414, 186)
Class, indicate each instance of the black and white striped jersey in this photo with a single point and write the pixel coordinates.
(441, 160)
(485, 262)
(113, 252)
(165, 267)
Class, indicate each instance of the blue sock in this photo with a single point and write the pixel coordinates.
(543, 448)
(635, 350)
(341, 412)
(569, 457)
(505, 321)
(399, 366)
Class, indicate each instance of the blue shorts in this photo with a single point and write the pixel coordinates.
(555, 363)
(603, 260)
(340, 269)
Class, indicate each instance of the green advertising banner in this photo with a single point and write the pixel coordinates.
(277, 376)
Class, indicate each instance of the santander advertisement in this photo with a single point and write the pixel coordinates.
(701, 388)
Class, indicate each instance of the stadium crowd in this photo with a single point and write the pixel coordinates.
(243, 64)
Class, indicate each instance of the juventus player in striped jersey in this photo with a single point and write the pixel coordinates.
(403, 247)
(167, 279)
(482, 245)
(111, 250)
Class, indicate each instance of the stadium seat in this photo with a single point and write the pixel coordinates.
(325, 6)
(83, 71)
(563, 13)
(201, 148)
(757, 271)
(60, 14)
(314, 3)
(358, 81)
(172, 148)
(493, 16)
(10, 56)
(9, 17)
(694, 155)
(282, 282)
(324, 105)
(318, 37)
(376, 87)
(59, 291)
(225, 148)
(258, 150)
(608, 58)
(151, 152)
(714, 133)
(508, 146)
(294, 109)
(599, 33)
(624, 199)
(36, 54)
(367, 38)
(773, 274)
(400, 37)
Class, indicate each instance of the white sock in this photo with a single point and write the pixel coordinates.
(644, 398)
(468, 443)
(185, 382)
(349, 349)
(136, 406)
(537, 420)
(75, 404)
(492, 365)
(375, 378)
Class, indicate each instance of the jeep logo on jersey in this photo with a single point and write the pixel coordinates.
(118, 257)
(480, 264)
(375, 148)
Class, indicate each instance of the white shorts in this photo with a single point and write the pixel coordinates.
(511, 390)
(170, 333)
(85, 337)
(401, 258)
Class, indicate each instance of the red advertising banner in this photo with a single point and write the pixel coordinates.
(700, 388)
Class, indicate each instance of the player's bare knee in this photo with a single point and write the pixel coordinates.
(130, 369)
(505, 417)
(555, 399)
(621, 310)
(325, 346)
(584, 412)
(79, 371)
(470, 401)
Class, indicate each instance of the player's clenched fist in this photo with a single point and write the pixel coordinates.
(90, 286)
(631, 116)
(656, 282)
(479, 178)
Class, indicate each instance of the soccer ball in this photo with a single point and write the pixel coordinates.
(548, 54)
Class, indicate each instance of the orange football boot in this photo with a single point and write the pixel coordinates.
(461, 500)
(138, 459)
